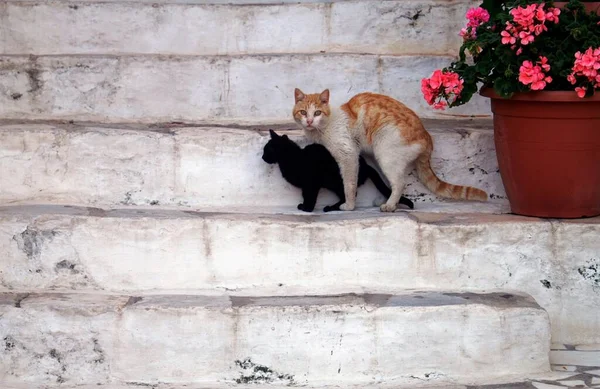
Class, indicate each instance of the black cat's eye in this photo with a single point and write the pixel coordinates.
(303, 112)
(317, 113)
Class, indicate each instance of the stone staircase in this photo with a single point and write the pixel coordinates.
(144, 243)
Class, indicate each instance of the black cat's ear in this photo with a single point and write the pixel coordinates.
(285, 137)
(273, 134)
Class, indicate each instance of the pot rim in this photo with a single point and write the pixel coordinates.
(549, 96)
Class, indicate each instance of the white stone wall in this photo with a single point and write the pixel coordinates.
(172, 251)
(150, 62)
(197, 166)
(343, 340)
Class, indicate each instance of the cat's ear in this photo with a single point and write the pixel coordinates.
(324, 96)
(285, 137)
(273, 134)
(298, 95)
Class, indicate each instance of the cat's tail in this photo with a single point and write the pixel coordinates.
(444, 189)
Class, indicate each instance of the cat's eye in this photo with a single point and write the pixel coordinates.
(303, 113)
(317, 113)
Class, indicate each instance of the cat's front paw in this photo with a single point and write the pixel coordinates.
(302, 207)
(347, 207)
(329, 208)
(388, 207)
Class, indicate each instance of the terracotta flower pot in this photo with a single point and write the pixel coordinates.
(548, 148)
(590, 7)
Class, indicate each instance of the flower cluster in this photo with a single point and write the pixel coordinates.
(519, 46)
(587, 66)
(476, 16)
(534, 75)
(528, 22)
(441, 87)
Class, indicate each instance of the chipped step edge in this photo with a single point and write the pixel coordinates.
(104, 166)
(53, 247)
(142, 329)
(191, 29)
(140, 88)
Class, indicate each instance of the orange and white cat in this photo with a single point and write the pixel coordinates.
(377, 125)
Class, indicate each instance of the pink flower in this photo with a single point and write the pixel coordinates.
(519, 51)
(507, 38)
(477, 16)
(533, 75)
(543, 62)
(526, 37)
(528, 22)
(524, 15)
(441, 88)
(436, 79)
(468, 33)
(552, 15)
(441, 105)
(586, 66)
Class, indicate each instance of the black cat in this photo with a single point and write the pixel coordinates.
(312, 168)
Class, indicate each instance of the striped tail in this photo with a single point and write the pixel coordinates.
(444, 189)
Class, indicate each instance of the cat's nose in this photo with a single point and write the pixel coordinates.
(309, 121)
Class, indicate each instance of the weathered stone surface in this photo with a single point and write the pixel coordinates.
(56, 340)
(245, 89)
(410, 338)
(425, 27)
(160, 250)
(198, 167)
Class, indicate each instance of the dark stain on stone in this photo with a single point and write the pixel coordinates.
(73, 6)
(99, 352)
(9, 343)
(206, 237)
(66, 265)
(19, 299)
(127, 200)
(132, 300)
(591, 271)
(31, 241)
(413, 17)
(253, 373)
(16, 96)
(96, 212)
(154, 202)
(35, 81)
(493, 196)
(143, 384)
(506, 296)
(546, 284)
(55, 355)
(514, 385)
(378, 300)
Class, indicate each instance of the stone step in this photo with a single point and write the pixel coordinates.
(576, 376)
(349, 339)
(395, 27)
(254, 89)
(116, 165)
(136, 251)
